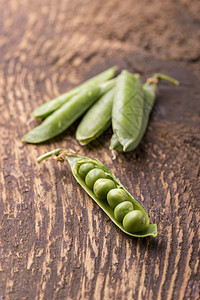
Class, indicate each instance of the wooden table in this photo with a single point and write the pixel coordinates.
(55, 242)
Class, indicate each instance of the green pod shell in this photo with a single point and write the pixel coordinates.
(63, 117)
(96, 120)
(122, 209)
(149, 99)
(127, 112)
(47, 108)
(149, 89)
(75, 161)
(115, 144)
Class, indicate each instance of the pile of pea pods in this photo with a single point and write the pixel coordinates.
(123, 102)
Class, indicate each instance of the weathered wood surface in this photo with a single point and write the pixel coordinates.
(55, 243)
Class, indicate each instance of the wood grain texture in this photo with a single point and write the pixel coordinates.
(55, 242)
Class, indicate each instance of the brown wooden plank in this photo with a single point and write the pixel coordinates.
(55, 242)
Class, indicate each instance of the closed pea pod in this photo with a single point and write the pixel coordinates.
(63, 117)
(149, 99)
(75, 161)
(127, 111)
(47, 108)
(96, 120)
(150, 89)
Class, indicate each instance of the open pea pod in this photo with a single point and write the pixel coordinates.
(76, 161)
(127, 111)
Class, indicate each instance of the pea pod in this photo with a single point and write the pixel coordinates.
(127, 112)
(47, 108)
(116, 196)
(150, 89)
(63, 117)
(96, 120)
(98, 194)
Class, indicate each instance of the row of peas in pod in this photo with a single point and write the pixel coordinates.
(108, 193)
(123, 102)
(104, 188)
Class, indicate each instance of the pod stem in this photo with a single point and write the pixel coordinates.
(158, 76)
(48, 154)
(59, 153)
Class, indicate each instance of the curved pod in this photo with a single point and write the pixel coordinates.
(75, 161)
(127, 111)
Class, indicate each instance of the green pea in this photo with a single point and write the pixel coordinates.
(85, 168)
(150, 89)
(93, 176)
(115, 144)
(134, 221)
(116, 196)
(102, 187)
(122, 209)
